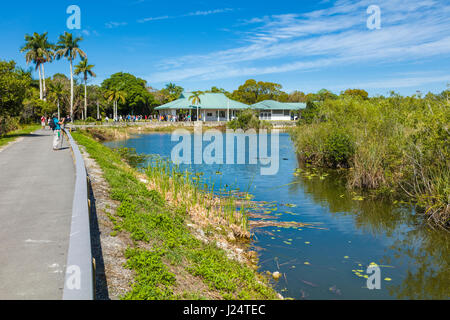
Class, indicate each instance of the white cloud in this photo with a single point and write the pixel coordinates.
(190, 14)
(153, 19)
(208, 12)
(113, 24)
(410, 30)
(403, 82)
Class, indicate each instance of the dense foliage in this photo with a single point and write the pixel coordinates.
(395, 145)
(138, 99)
(13, 92)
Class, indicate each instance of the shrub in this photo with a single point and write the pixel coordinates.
(338, 148)
(8, 124)
(248, 119)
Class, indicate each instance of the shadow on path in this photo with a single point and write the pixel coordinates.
(101, 284)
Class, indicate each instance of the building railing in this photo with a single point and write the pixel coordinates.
(79, 278)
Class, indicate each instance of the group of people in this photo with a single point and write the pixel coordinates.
(170, 118)
(54, 123)
(133, 118)
(176, 118)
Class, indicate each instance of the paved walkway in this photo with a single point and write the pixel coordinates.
(36, 195)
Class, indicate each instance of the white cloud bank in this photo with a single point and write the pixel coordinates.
(410, 30)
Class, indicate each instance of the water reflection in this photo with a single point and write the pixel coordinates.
(426, 249)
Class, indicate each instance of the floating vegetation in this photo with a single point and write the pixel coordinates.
(276, 275)
(280, 224)
(335, 290)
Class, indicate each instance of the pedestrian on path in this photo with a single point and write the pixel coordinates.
(55, 125)
(43, 119)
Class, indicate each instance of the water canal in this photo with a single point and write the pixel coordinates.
(328, 258)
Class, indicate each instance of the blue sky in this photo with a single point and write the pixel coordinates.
(303, 45)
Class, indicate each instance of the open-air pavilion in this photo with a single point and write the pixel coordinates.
(212, 107)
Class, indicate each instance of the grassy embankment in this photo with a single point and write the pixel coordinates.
(13, 135)
(155, 210)
(393, 146)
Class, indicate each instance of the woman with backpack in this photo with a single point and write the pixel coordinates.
(55, 125)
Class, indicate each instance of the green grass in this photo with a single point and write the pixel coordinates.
(13, 135)
(148, 219)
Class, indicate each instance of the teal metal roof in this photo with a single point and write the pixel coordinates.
(297, 105)
(275, 105)
(207, 101)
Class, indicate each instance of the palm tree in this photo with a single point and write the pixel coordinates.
(115, 95)
(57, 92)
(86, 69)
(36, 53)
(48, 53)
(195, 99)
(68, 48)
(171, 87)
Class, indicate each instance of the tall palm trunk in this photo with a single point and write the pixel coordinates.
(85, 98)
(44, 90)
(40, 83)
(71, 89)
(59, 113)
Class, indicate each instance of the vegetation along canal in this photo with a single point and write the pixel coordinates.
(322, 237)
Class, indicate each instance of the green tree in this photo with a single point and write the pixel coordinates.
(38, 51)
(297, 96)
(13, 89)
(68, 47)
(138, 98)
(252, 92)
(85, 69)
(356, 93)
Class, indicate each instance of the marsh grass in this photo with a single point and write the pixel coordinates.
(398, 147)
(191, 191)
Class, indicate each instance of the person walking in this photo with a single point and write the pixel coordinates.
(43, 119)
(55, 125)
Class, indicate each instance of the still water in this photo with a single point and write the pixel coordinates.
(329, 260)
